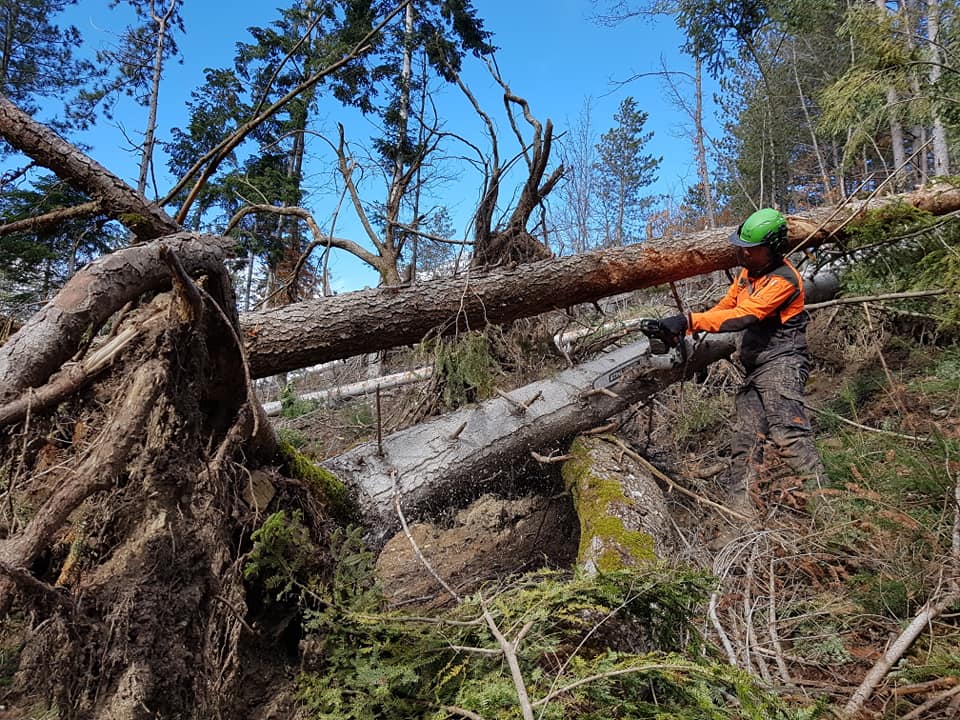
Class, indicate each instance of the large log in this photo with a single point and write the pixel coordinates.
(315, 331)
(91, 296)
(454, 458)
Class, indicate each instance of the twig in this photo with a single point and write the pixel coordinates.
(926, 687)
(519, 407)
(609, 427)
(416, 548)
(476, 650)
(866, 428)
(679, 488)
(874, 298)
(549, 459)
(718, 627)
(454, 710)
(510, 653)
(927, 614)
(532, 400)
(456, 433)
(921, 710)
(237, 614)
(772, 628)
(601, 391)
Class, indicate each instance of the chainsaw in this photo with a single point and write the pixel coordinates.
(661, 341)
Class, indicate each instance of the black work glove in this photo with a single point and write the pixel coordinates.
(674, 328)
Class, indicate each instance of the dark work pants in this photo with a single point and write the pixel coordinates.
(770, 406)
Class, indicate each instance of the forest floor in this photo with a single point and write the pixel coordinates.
(806, 602)
(810, 599)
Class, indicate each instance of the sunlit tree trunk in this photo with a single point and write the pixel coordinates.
(896, 127)
(703, 170)
(941, 156)
(146, 156)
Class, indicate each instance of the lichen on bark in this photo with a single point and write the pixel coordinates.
(609, 536)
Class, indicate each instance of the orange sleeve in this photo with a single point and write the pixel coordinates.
(746, 309)
(730, 299)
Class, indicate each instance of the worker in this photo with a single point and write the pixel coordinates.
(766, 302)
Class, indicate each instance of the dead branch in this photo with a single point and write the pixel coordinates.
(419, 554)
(50, 219)
(146, 220)
(454, 710)
(874, 298)
(659, 474)
(929, 612)
(510, 653)
(548, 460)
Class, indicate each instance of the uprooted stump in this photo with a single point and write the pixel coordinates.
(123, 526)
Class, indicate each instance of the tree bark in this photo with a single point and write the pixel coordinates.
(146, 220)
(91, 296)
(316, 331)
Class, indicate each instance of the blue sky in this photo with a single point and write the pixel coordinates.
(550, 52)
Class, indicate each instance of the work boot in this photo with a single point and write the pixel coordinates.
(732, 527)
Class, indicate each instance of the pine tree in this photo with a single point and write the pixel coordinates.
(37, 60)
(623, 171)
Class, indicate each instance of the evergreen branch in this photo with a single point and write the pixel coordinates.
(212, 159)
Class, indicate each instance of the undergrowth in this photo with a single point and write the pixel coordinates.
(615, 645)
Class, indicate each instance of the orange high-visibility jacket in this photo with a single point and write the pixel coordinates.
(768, 308)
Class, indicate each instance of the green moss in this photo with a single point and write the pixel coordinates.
(622, 547)
(339, 501)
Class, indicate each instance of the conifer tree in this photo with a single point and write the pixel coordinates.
(623, 170)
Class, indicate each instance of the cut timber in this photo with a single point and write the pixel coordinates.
(433, 466)
(314, 331)
(451, 460)
(624, 520)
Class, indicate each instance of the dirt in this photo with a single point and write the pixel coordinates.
(490, 539)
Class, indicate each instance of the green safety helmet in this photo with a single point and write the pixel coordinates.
(764, 227)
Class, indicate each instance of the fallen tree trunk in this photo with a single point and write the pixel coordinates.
(452, 459)
(315, 331)
(86, 302)
(363, 387)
